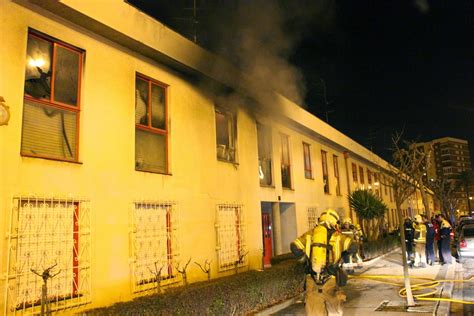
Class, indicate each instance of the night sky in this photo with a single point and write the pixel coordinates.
(387, 65)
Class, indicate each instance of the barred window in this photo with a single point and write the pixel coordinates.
(230, 231)
(48, 233)
(155, 243)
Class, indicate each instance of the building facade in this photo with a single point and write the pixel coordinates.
(131, 150)
(451, 157)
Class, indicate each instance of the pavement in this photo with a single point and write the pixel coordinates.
(364, 297)
(463, 291)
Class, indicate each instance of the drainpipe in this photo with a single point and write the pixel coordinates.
(346, 157)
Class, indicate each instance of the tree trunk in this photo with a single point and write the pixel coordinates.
(424, 198)
(410, 300)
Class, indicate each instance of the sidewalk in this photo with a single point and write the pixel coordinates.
(365, 296)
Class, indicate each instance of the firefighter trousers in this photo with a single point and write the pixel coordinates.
(326, 300)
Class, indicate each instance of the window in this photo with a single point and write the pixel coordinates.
(285, 162)
(377, 184)
(308, 173)
(336, 175)
(354, 173)
(52, 99)
(324, 160)
(154, 243)
(369, 178)
(48, 232)
(151, 125)
(361, 174)
(385, 184)
(226, 135)
(231, 248)
(264, 138)
(390, 191)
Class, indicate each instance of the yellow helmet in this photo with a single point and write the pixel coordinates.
(418, 218)
(329, 217)
(347, 220)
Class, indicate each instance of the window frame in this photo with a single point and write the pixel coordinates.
(52, 103)
(149, 128)
(324, 165)
(233, 115)
(288, 166)
(361, 175)
(262, 130)
(336, 174)
(308, 170)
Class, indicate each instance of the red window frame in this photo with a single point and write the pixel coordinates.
(149, 127)
(361, 174)
(336, 174)
(324, 164)
(354, 172)
(52, 102)
(308, 172)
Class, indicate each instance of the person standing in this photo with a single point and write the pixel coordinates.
(445, 235)
(409, 235)
(430, 238)
(435, 223)
(420, 241)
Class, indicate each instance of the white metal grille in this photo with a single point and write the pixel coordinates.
(230, 236)
(312, 217)
(47, 232)
(155, 243)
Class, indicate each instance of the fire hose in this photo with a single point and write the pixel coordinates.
(424, 289)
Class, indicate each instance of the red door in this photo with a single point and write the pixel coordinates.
(267, 238)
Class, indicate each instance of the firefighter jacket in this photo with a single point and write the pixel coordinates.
(420, 233)
(323, 247)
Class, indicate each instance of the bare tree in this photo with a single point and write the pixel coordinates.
(157, 274)
(206, 268)
(239, 261)
(45, 275)
(445, 192)
(406, 172)
(183, 272)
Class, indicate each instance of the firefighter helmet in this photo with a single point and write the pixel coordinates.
(347, 221)
(330, 218)
(418, 219)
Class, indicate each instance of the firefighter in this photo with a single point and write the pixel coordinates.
(322, 248)
(420, 241)
(409, 234)
(355, 232)
(445, 237)
(430, 238)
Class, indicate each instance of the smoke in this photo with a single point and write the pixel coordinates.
(422, 5)
(260, 36)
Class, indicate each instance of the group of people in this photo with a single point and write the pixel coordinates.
(422, 236)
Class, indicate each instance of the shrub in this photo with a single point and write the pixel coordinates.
(237, 294)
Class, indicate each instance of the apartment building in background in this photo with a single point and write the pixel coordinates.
(131, 148)
(450, 157)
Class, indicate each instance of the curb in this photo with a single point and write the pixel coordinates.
(278, 307)
(444, 307)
